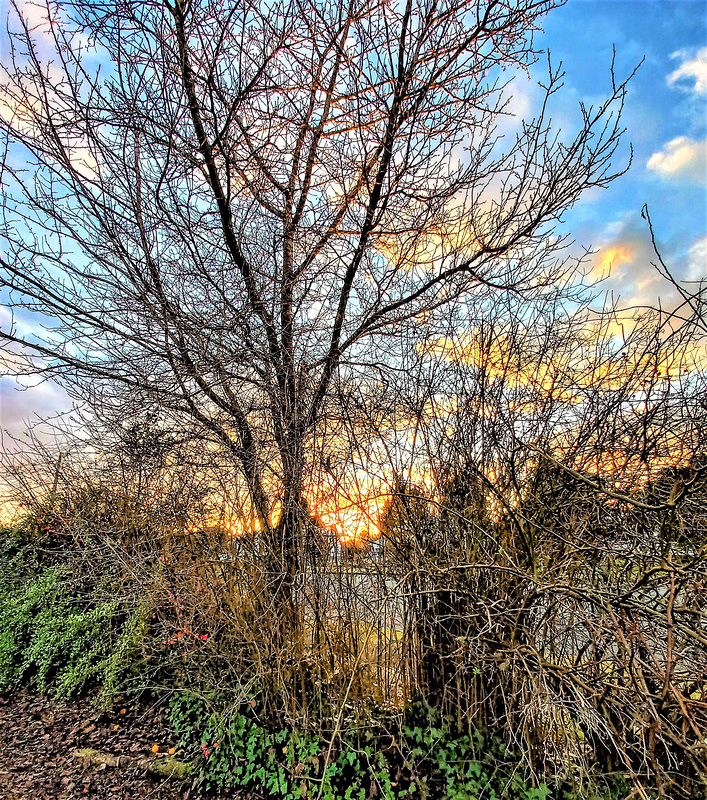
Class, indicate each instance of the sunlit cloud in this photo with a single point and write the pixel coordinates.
(39, 17)
(622, 269)
(609, 259)
(692, 70)
(680, 157)
(519, 100)
(565, 374)
(46, 21)
(27, 115)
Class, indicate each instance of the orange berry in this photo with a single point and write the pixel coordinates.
(155, 748)
(172, 750)
(122, 711)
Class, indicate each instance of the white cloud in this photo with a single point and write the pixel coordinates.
(22, 406)
(697, 261)
(691, 69)
(679, 157)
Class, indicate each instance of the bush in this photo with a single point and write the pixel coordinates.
(57, 634)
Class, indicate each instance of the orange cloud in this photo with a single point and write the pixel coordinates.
(609, 258)
(589, 359)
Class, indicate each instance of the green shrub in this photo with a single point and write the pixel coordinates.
(55, 635)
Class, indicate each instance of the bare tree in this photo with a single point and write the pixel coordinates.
(222, 210)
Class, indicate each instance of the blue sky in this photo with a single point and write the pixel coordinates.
(666, 121)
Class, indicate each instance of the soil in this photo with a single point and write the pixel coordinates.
(53, 751)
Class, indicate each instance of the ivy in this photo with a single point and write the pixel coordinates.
(235, 751)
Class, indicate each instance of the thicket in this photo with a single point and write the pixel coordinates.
(424, 757)
(71, 621)
(553, 648)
